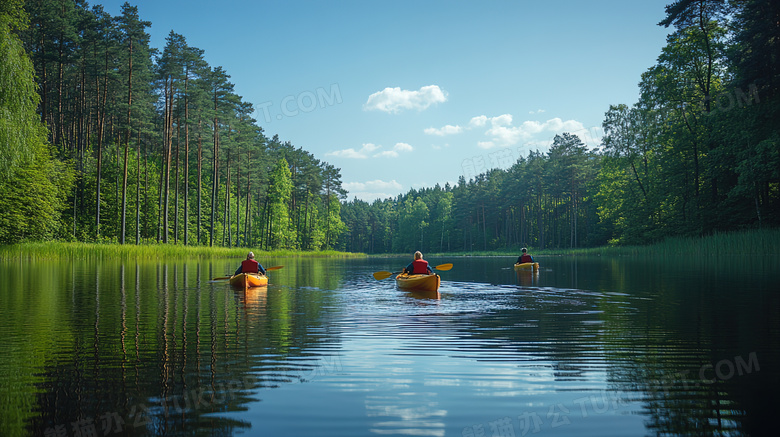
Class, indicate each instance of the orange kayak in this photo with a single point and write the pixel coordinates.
(246, 280)
(527, 267)
(418, 282)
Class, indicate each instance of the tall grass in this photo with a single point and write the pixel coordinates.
(758, 242)
(58, 250)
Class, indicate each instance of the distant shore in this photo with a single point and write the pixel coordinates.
(759, 242)
(64, 250)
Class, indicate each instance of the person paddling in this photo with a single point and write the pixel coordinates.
(249, 265)
(525, 257)
(419, 266)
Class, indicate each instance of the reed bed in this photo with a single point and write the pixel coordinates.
(62, 250)
(758, 242)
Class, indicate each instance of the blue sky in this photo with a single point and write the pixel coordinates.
(407, 94)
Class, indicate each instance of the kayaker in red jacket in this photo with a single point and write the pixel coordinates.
(525, 257)
(249, 265)
(419, 266)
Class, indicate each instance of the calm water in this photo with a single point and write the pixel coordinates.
(585, 347)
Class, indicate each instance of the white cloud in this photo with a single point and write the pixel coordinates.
(368, 150)
(374, 185)
(478, 121)
(371, 190)
(449, 129)
(538, 111)
(393, 100)
(347, 153)
(403, 147)
(446, 130)
(504, 134)
(502, 120)
(399, 147)
(351, 153)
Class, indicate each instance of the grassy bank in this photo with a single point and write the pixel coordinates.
(760, 242)
(56, 250)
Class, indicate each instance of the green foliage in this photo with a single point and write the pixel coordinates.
(33, 185)
(544, 201)
(30, 206)
(412, 223)
(698, 153)
(18, 98)
(161, 145)
(282, 233)
(333, 225)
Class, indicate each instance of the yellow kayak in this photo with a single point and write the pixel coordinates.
(527, 267)
(246, 280)
(418, 282)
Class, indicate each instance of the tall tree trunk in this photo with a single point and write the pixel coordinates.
(160, 198)
(327, 212)
(186, 160)
(176, 187)
(215, 178)
(200, 181)
(97, 180)
(146, 191)
(138, 191)
(226, 227)
(60, 74)
(101, 134)
(247, 240)
(238, 197)
(168, 141)
(127, 138)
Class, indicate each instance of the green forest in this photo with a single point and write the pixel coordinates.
(111, 140)
(697, 154)
(106, 139)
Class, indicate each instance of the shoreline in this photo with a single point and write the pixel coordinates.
(59, 250)
(756, 242)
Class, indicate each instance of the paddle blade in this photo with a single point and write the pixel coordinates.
(273, 268)
(382, 275)
(219, 279)
(443, 267)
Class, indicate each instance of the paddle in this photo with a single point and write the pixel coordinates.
(267, 270)
(385, 274)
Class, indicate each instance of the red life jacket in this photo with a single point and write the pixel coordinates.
(526, 258)
(420, 267)
(249, 266)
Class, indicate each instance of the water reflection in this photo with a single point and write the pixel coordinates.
(526, 278)
(149, 352)
(414, 414)
(253, 299)
(630, 345)
(424, 295)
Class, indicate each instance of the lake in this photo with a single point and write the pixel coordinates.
(585, 347)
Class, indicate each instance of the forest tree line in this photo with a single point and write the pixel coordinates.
(105, 138)
(698, 153)
(144, 145)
